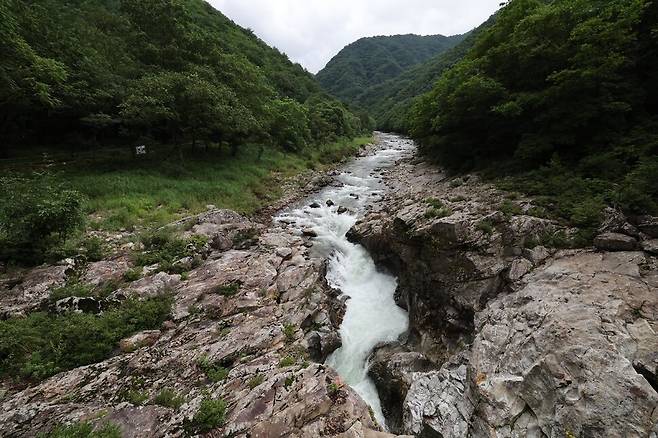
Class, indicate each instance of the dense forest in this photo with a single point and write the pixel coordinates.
(87, 72)
(567, 88)
(374, 60)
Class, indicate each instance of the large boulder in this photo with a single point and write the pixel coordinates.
(33, 291)
(615, 242)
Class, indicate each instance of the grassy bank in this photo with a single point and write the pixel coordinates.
(122, 192)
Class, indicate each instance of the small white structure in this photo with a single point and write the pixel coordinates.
(140, 150)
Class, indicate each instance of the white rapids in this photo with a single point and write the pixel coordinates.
(372, 315)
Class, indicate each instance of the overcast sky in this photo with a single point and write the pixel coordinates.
(311, 32)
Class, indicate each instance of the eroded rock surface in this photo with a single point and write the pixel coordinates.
(261, 334)
(516, 339)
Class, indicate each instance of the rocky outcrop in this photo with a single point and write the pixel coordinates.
(24, 295)
(515, 339)
(450, 265)
(615, 242)
(252, 347)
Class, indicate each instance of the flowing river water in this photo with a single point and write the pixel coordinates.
(372, 315)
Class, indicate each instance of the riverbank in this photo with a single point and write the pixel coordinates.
(241, 351)
(125, 193)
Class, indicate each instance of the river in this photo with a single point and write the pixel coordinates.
(372, 315)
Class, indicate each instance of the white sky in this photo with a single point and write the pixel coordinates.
(311, 32)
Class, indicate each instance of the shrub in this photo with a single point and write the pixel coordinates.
(94, 249)
(164, 248)
(639, 191)
(333, 389)
(438, 213)
(36, 215)
(211, 414)
(83, 430)
(457, 182)
(287, 361)
(136, 397)
(255, 381)
(215, 371)
(228, 290)
(289, 332)
(133, 274)
(510, 209)
(485, 226)
(587, 214)
(40, 345)
(72, 289)
(169, 399)
(433, 202)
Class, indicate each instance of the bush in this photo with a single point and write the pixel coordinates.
(132, 274)
(287, 361)
(433, 202)
(255, 381)
(169, 399)
(485, 226)
(135, 396)
(438, 213)
(40, 345)
(94, 249)
(228, 290)
(36, 215)
(510, 209)
(215, 371)
(73, 289)
(289, 332)
(83, 430)
(211, 414)
(164, 248)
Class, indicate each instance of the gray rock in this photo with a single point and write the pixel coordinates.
(32, 291)
(105, 270)
(142, 339)
(536, 255)
(650, 246)
(649, 225)
(615, 242)
(519, 268)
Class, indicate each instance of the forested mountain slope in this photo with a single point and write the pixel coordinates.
(372, 61)
(561, 94)
(171, 70)
(389, 102)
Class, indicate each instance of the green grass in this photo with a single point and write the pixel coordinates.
(83, 430)
(124, 193)
(169, 399)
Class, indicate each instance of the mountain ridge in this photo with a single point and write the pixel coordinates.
(370, 61)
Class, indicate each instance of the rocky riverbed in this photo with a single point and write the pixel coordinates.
(507, 336)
